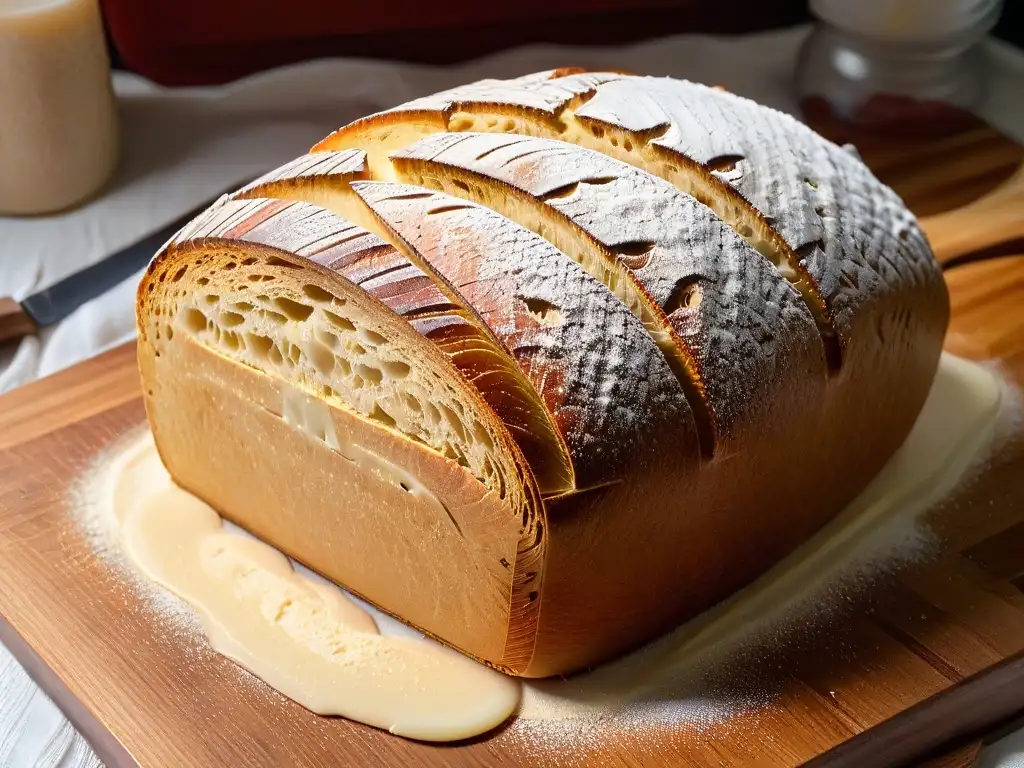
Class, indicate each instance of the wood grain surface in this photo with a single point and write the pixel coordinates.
(920, 661)
(14, 323)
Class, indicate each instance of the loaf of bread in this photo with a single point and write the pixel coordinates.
(544, 366)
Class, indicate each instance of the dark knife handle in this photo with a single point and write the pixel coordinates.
(14, 322)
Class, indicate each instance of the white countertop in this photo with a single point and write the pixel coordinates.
(181, 146)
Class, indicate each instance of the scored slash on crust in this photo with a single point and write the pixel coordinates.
(558, 106)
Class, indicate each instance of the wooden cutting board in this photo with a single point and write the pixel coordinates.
(928, 658)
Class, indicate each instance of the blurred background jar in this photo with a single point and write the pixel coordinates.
(58, 122)
(896, 66)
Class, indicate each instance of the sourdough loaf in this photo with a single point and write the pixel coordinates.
(544, 366)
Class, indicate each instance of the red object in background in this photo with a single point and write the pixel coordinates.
(187, 42)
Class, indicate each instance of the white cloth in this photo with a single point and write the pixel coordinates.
(181, 146)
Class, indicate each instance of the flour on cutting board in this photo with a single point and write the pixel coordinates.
(303, 637)
(676, 680)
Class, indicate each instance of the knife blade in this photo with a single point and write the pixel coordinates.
(53, 304)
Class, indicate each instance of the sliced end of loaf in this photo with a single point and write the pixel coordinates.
(295, 330)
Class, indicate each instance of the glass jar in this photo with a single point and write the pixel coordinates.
(900, 65)
(58, 119)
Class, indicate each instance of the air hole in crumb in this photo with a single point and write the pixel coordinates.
(316, 293)
(326, 338)
(274, 355)
(294, 310)
(481, 435)
(456, 423)
(272, 316)
(170, 333)
(321, 357)
(231, 319)
(242, 306)
(275, 261)
(339, 322)
(203, 280)
(249, 262)
(230, 340)
(294, 354)
(357, 382)
(379, 414)
(433, 415)
(343, 365)
(373, 375)
(179, 274)
(259, 344)
(355, 349)
(614, 141)
(510, 125)
(544, 312)
(745, 230)
(461, 184)
(412, 403)
(395, 369)
(597, 130)
(211, 298)
(230, 265)
(194, 320)
(371, 337)
(627, 145)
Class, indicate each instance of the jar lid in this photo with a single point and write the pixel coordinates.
(909, 20)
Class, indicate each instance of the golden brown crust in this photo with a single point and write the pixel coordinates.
(812, 344)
